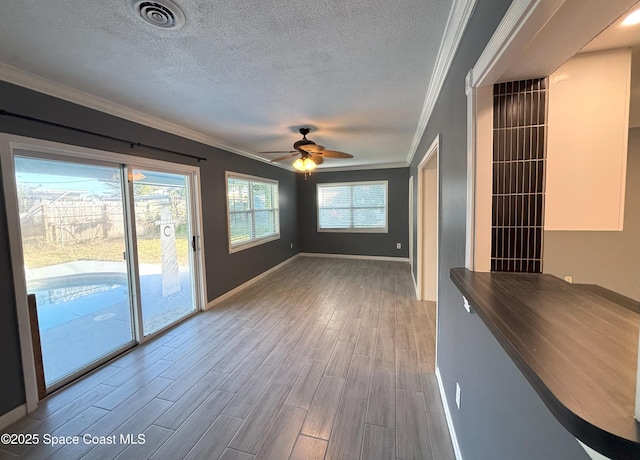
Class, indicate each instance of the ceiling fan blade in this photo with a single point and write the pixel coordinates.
(284, 157)
(312, 148)
(317, 159)
(335, 154)
(281, 151)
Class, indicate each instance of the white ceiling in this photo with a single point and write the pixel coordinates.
(619, 35)
(568, 27)
(246, 73)
(560, 30)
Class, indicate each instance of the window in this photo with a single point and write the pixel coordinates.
(252, 211)
(352, 207)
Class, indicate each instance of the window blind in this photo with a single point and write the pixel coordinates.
(354, 206)
(253, 210)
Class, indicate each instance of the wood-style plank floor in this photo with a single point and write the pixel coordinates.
(325, 358)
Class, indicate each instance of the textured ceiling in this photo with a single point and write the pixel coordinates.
(244, 72)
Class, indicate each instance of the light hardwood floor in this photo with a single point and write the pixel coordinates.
(324, 359)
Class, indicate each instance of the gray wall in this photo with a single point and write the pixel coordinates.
(224, 271)
(609, 259)
(501, 417)
(369, 244)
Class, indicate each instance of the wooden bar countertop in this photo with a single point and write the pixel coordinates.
(576, 348)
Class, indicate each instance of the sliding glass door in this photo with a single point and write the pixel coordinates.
(73, 241)
(109, 251)
(165, 247)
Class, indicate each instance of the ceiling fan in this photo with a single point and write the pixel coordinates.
(311, 154)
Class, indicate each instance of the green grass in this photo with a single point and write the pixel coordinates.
(149, 252)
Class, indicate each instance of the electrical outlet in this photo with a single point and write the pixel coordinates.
(458, 395)
(568, 279)
(398, 245)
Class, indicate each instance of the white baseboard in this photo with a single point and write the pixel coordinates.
(246, 284)
(447, 414)
(350, 256)
(13, 416)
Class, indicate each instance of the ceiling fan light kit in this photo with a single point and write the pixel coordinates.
(305, 164)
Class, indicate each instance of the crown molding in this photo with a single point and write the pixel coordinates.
(362, 167)
(456, 24)
(33, 82)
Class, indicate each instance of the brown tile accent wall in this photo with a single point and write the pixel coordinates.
(519, 157)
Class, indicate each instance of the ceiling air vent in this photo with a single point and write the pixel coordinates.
(163, 14)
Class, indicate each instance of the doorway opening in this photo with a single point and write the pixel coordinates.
(428, 219)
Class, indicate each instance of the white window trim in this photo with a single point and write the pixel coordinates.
(349, 229)
(256, 241)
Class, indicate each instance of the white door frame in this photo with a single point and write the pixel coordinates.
(9, 143)
(432, 153)
(411, 261)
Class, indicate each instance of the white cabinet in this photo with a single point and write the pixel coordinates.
(588, 125)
